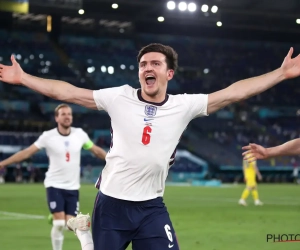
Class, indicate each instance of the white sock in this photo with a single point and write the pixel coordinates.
(86, 240)
(57, 234)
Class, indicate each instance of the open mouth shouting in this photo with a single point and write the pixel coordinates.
(150, 80)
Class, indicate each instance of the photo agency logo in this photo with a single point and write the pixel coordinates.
(283, 238)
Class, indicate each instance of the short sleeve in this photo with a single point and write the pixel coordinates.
(104, 97)
(197, 104)
(86, 141)
(41, 141)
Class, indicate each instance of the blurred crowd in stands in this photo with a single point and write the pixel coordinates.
(205, 65)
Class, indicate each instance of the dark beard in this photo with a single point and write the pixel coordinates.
(65, 127)
(152, 94)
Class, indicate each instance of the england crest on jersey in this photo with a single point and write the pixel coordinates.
(66, 143)
(150, 110)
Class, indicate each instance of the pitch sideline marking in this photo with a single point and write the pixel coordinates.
(20, 216)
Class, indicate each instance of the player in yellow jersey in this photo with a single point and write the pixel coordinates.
(250, 171)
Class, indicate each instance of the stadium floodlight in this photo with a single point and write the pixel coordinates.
(123, 66)
(298, 21)
(182, 6)
(204, 8)
(192, 7)
(206, 71)
(219, 24)
(103, 69)
(160, 19)
(171, 5)
(110, 70)
(91, 69)
(115, 6)
(131, 67)
(214, 9)
(81, 11)
(45, 70)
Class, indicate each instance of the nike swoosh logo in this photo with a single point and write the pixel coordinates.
(145, 119)
(170, 246)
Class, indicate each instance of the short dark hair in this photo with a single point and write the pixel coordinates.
(169, 52)
(63, 105)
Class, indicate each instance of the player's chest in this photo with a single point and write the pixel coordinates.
(61, 144)
(162, 123)
(140, 114)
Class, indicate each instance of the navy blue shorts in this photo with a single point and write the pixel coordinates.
(61, 200)
(146, 224)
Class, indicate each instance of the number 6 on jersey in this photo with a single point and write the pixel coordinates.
(146, 135)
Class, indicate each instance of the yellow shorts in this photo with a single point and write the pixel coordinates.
(251, 182)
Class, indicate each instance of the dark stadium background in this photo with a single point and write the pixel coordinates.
(98, 49)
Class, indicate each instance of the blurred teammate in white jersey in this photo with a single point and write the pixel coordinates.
(63, 146)
(147, 124)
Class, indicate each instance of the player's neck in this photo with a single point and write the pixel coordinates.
(63, 131)
(159, 98)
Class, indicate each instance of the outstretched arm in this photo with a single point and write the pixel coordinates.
(20, 156)
(98, 152)
(55, 89)
(289, 148)
(258, 152)
(247, 88)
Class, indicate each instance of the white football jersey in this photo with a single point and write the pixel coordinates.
(144, 139)
(64, 153)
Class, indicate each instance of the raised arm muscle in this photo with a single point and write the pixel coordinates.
(60, 90)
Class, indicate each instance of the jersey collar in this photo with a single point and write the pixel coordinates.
(61, 133)
(139, 93)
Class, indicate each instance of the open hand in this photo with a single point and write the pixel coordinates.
(291, 66)
(254, 152)
(11, 74)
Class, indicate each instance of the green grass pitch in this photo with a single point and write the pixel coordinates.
(204, 218)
